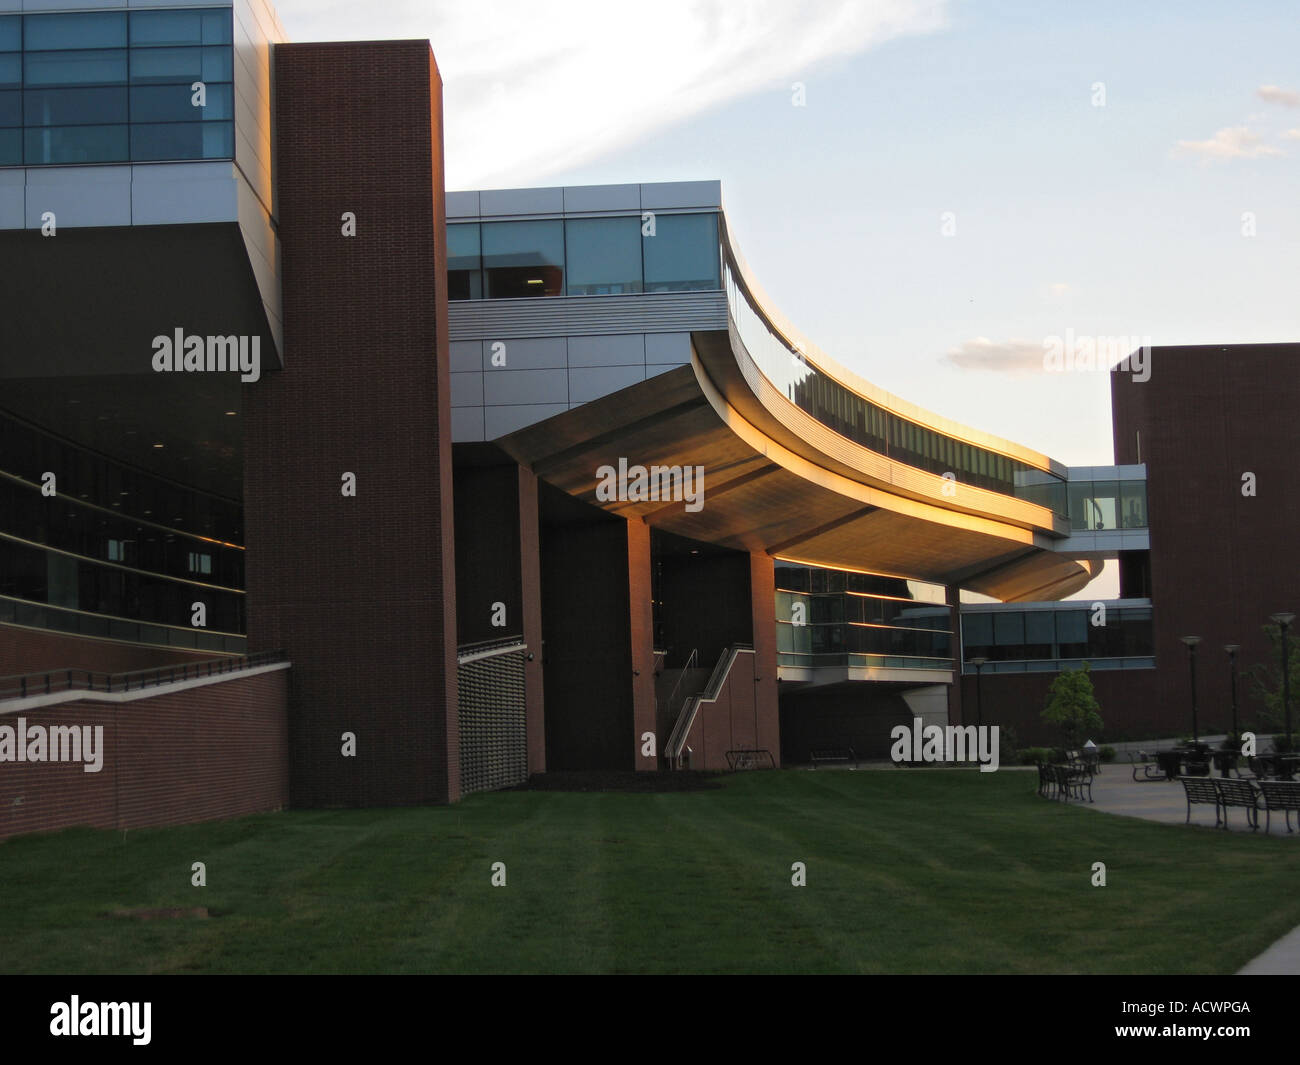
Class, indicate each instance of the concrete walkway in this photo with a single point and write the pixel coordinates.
(1114, 791)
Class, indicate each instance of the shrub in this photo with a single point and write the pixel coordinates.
(1072, 706)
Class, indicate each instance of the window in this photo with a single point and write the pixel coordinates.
(603, 255)
(75, 144)
(115, 86)
(11, 33)
(91, 30)
(200, 563)
(464, 263)
(522, 259)
(683, 254)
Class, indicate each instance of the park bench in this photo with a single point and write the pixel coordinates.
(833, 754)
(1281, 795)
(1240, 793)
(1201, 791)
(1147, 763)
(751, 758)
(1046, 779)
(1071, 781)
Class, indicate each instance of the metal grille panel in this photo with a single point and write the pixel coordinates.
(493, 741)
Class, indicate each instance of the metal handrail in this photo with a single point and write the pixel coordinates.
(50, 681)
(686, 719)
(692, 660)
(472, 652)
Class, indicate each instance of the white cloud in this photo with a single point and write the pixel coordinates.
(1291, 135)
(1275, 95)
(1004, 356)
(531, 89)
(1233, 142)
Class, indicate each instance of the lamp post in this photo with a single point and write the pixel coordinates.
(1191, 642)
(1232, 649)
(979, 664)
(1283, 621)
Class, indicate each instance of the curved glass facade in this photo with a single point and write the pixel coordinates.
(830, 617)
(876, 428)
(116, 87)
(115, 551)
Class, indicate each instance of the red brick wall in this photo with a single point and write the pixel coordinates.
(360, 591)
(731, 723)
(31, 650)
(1135, 704)
(210, 752)
(1221, 562)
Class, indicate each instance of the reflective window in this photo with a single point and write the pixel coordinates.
(11, 71)
(1010, 639)
(90, 30)
(523, 258)
(75, 144)
(75, 107)
(74, 68)
(153, 65)
(173, 103)
(860, 620)
(162, 28)
(181, 140)
(582, 257)
(89, 98)
(603, 255)
(464, 263)
(1133, 504)
(683, 254)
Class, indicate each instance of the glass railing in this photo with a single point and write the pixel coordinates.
(78, 623)
(874, 427)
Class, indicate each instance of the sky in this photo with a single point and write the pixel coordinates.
(936, 193)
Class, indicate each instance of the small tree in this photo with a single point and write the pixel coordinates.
(1266, 682)
(1072, 706)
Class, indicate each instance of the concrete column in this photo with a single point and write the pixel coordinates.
(530, 573)
(641, 639)
(762, 590)
(953, 598)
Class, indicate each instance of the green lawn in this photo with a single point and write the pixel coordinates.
(908, 871)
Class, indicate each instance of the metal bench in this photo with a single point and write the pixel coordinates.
(833, 754)
(1281, 795)
(1240, 793)
(1071, 781)
(1046, 780)
(1147, 763)
(751, 758)
(1201, 791)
